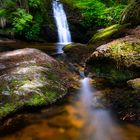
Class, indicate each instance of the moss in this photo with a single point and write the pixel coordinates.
(124, 48)
(8, 108)
(106, 33)
(107, 68)
(52, 76)
(125, 53)
(51, 95)
(75, 47)
(33, 95)
(118, 60)
(30, 83)
(16, 82)
(36, 100)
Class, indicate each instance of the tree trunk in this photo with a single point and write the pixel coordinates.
(132, 13)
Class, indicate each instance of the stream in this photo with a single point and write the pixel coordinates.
(80, 115)
(72, 118)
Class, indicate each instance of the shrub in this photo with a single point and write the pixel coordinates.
(32, 33)
(98, 12)
(35, 3)
(20, 20)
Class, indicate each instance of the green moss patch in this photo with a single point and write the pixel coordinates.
(106, 33)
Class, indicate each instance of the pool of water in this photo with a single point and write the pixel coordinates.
(62, 121)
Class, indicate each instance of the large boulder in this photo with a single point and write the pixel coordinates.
(117, 60)
(29, 77)
(77, 52)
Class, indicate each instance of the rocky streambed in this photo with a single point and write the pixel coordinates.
(39, 94)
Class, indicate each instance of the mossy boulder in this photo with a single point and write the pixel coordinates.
(79, 52)
(118, 60)
(76, 52)
(135, 83)
(107, 34)
(29, 77)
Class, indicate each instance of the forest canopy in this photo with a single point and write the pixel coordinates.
(26, 17)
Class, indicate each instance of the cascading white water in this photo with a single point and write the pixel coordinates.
(86, 93)
(98, 119)
(62, 24)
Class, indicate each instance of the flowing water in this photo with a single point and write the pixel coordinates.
(80, 116)
(96, 115)
(62, 25)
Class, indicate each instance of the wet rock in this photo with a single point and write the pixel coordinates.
(124, 101)
(29, 77)
(118, 60)
(76, 52)
(135, 83)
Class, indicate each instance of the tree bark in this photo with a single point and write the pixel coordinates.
(132, 13)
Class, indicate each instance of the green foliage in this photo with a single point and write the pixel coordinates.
(108, 2)
(2, 13)
(100, 15)
(9, 6)
(35, 3)
(26, 22)
(98, 12)
(91, 13)
(111, 15)
(20, 20)
(33, 31)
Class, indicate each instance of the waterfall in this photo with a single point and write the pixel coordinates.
(62, 25)
(98, 118)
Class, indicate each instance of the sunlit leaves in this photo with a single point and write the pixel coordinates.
(21, 19)
(98, 12)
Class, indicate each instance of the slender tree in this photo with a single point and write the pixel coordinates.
(132, 13)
